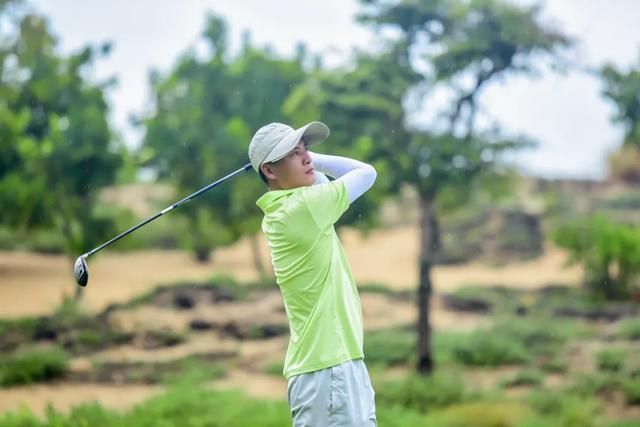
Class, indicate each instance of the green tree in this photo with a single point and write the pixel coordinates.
(608, 252)
(452, 43)
(206, 110)
(362, 105)
(59, 149)
(623, 89)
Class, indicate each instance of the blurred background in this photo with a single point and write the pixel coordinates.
(506, 136)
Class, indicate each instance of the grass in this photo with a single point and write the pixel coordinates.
(275, 369)
(610, 360)
(182, 405)
(525, 377)
(33, 365)
(422, 394)
(389, 347)
(629, 329)
(535, 341)
(555, 365)
(437, 402)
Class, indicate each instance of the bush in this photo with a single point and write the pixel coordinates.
(31, 366)
(275, 369)
(609, 253)
(47, 241)
(376, 288)
(526, 377)
(389, 347)
(631, 390)
(555, 365)
(183, 405)
(610, 360)
(488, 349)
(422, 394)
(591, 384)
(482, 414)
(563, 409)
(629, 329)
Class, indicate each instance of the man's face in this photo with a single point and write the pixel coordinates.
(292, 171)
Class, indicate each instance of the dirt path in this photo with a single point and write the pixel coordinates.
(32, 284)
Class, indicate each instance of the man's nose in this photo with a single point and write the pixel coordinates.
(306, 158)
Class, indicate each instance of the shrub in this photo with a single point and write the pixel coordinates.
(631, 390)
(389, 347)
(525, 377)
(629, 329)
(35, 365)
(489, 349)
(610, 360)
(421, 393)
(483, 414)
(609, 253)
(563, 409)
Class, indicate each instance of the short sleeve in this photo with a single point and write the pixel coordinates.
(326, 202)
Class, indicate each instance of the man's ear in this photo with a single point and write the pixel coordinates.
(267, 170)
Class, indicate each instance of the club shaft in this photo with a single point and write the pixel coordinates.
(170, 208)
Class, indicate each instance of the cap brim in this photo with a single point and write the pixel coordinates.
(313, 133)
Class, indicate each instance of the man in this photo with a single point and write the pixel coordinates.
(328, 382)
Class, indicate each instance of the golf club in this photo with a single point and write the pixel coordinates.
(80, 268)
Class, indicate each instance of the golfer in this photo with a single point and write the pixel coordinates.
(328, 382)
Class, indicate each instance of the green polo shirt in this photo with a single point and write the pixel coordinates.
(312, 271)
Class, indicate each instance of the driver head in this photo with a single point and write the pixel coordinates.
(81, 271)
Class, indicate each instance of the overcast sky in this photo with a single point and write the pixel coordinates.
(565, 114)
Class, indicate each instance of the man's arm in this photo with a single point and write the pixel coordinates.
(320, 177)
(357, 176)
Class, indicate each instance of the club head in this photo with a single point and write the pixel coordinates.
(81, 271)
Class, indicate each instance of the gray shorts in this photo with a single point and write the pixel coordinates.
(337, 396)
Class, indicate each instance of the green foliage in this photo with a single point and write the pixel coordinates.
(487, 349)
(376, 288)
(609, 253)
(476, 42)
(34, 365)
(276, 369)
(562, 409)
(366, 119)
(592, 384)
(512, 341)
(192, 371)
(622, 88)
(555, 365)
(629, 329)
(482, 414)
(389, 347)
(631, 390)
(422, 394)
(206, 110)
(610, 360)
(525, 377)
(182, 405)
(57, 149)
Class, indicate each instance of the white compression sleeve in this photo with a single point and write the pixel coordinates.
(357, 176)
(320, 177)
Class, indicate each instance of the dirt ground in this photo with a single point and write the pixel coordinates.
(32, 284)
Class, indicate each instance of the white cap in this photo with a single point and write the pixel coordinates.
(274, 141)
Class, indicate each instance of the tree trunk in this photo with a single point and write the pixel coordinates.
(257, 259)
(203, 254)
(428, 242)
